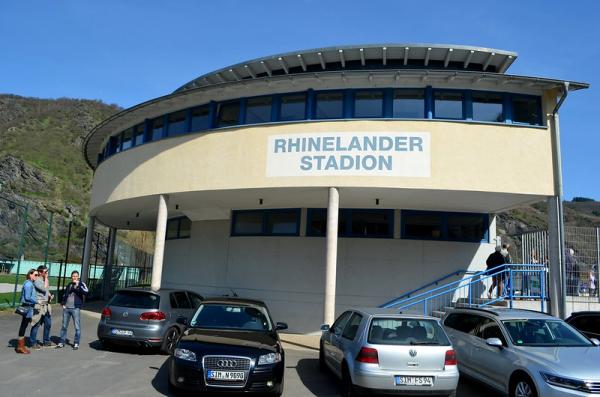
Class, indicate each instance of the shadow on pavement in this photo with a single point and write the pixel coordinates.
(160, 382)
(317, 382)
(124, 348)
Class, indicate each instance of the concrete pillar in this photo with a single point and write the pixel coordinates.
(108, 266)
(159, 242)
(556, 254)
(331, 262)
(87, 249)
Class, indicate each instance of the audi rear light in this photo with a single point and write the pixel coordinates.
(368, 355)
(156, 316)
(106, 313)
(450, 358)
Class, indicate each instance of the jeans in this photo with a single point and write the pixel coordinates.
(67, 314)
(47, 320)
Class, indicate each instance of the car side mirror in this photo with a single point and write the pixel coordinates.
(325, 327)
(495, 342)
(595, 341)
(281, 326)
(182, 321)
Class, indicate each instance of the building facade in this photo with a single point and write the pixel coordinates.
(322, 179)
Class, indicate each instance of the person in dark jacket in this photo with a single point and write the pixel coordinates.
(28, 299)
(495, 264)
(72, 301)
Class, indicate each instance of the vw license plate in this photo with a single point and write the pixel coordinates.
(121, 332)
(414, 380)
(225, 375)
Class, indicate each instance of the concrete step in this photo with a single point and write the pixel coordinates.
(464, 302)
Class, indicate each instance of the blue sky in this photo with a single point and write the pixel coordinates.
(127, 52)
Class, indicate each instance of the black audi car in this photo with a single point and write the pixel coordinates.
(230, 345)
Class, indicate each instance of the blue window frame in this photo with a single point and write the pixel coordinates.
(178, 228)
(413, 103)
(445, 226)
(365, 223)
(273, 222)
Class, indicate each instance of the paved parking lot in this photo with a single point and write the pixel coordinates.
(91, 371)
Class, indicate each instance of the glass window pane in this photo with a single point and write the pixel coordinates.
(282, 222)
(526, 110)
(487, 107)
(317, 222)
(113, 144)
(118, 143)
(172, 226)
(200, 118)
(368, 104)
(329, 105)
(139, 134)
(228, 114)
(157, 128)
(293, 107)
(177, 123)
(448, 105)
(185, 226)
(126, 139)
(250, 222)
(466, 227)
(352, 326)
(428, 226)
(375, 223)
(258, 110)
(409, 104)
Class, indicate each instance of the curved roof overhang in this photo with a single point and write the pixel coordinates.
(178, 100)
(361, 57)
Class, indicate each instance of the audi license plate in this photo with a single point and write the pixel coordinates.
(225, 375)
(414, 380)
(121, 332)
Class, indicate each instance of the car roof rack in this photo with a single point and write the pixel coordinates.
(479, 309)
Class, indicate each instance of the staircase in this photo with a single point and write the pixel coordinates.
(520, 281)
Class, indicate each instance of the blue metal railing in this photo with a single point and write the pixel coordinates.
(435, 282)
(523, 281)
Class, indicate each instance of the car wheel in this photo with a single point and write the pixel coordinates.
(348, 388)
(322, 364)
(523, 387)
(170, 340)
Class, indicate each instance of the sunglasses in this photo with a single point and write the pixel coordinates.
(36, 274)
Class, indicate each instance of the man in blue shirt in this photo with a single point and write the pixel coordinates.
(72, 301)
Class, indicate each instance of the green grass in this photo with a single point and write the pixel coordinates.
(10, 279)
(6, 300)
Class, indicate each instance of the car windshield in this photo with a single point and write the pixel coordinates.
(402, 331)
(232, 316)
(135, 299)
(540, 332)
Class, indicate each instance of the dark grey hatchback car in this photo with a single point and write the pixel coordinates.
(142, 317)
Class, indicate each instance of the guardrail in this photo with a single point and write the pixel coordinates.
(509, 282)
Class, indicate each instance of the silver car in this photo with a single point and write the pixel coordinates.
(382, 351)
(143, 317)
(524, 353)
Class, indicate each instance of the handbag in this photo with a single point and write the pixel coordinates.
(22, 310)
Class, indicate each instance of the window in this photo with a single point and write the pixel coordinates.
(180, 299)
(449, 226)
(352, 223)
(329, 105)
(293, 107)
(397, 331)
(228, 114)
(135, 299)
(178, 228)
(280, 222)
(368, 104)
(487, 106)
(258, 110)
(200, 118)
(352, 327)
(448, 105)
(488, 328)
(126, 139)
(526, 110)
(409, 104)
(195, 299)
(113, 145)
(156, 129)
(177, 123)
(340, 323)
(463, 322)
(138, 133)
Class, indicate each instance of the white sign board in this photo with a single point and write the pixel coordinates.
(405, 154)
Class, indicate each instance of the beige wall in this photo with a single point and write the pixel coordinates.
(464, 156)
(288, 272)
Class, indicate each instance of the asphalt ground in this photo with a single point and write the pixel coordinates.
(92, 371)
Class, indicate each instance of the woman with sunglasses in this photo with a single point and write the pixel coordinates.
(28, 299)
